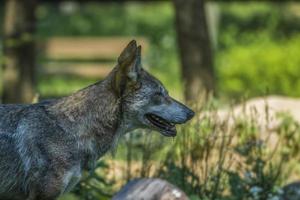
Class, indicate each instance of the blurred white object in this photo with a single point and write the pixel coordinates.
(68, 7)
(265, 110)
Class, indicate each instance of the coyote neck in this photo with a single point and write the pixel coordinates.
(92, 115)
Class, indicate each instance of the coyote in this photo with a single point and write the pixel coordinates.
(44, 147)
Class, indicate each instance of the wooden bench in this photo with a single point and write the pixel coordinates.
(83, 56)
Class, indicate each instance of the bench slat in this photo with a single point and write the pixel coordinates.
(87, 47)
(88, 70)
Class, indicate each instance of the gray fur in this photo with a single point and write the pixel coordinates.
(45, 146)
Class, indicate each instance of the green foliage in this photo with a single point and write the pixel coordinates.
(259, 68)
(257, 55)
(94, 186)
(94, 19)
(257, 42)
(153, 21)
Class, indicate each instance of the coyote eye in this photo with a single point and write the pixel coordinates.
(157, 97)
(159, 94)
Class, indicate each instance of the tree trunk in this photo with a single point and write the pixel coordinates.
(19, 51)
(195, 50)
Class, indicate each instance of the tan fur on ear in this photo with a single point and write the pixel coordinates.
(128, 54)
(128, 67)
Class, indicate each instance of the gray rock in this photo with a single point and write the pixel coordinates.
(291, 191)
(150, 189)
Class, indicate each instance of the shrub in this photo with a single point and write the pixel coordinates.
(259, 68)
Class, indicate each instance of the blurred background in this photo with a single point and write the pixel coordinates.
(214, 54)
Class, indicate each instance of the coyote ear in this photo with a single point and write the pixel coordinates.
(129, 67)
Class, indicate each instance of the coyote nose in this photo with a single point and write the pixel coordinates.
(190, 114)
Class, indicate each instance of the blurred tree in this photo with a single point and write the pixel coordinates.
(195, 50)
(19, 51)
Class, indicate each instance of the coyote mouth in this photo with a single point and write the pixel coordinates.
(164, 127)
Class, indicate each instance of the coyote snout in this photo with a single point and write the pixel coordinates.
(163, 117)
(44, 147)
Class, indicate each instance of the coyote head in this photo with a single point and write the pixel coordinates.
(145, 101)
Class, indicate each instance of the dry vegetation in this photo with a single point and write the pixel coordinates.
(211, 158)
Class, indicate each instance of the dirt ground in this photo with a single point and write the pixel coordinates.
(264, 109)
